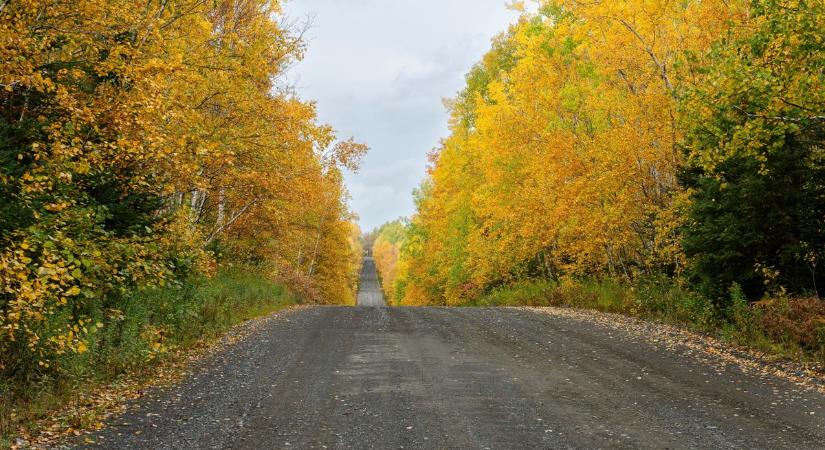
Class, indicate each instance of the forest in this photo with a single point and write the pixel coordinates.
(160, 181)
(663, 159)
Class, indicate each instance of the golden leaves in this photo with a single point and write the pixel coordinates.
(563, 155)
(177, 109)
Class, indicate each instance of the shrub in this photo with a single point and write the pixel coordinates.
(794, 322)
(523, 293)
(660, 297)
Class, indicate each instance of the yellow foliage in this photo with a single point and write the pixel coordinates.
(386, 262)
(173, 107)
(563, 153)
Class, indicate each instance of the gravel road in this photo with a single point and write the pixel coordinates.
(369, 289)
(393, 378)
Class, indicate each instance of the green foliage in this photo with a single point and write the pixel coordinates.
(741, 316)
(756, 155)
(13, 164)
(657, 296)
(524, 293)
(181, 315)
(393, 232)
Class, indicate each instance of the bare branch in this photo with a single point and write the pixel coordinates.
(781, 118)
(220, 229)
(662, 67)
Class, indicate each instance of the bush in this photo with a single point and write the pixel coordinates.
(796, 323)
(660, 297)
(524, 293)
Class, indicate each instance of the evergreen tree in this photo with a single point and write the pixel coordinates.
(755, 146)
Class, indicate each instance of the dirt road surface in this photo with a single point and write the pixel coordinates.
(399, 378)
(369, 289)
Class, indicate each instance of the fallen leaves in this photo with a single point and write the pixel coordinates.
(703, 348)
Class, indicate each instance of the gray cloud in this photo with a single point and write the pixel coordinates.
(378, 70)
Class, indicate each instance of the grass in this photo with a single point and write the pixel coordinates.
(783, 327)
(141, 330)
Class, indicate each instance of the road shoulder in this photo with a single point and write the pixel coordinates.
(700, 347)
(91, 410)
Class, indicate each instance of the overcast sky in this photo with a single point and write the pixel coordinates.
(378, 70)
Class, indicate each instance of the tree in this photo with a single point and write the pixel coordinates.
(755, 123)
(386, 250)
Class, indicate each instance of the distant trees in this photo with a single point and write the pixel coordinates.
(386, 249)
(144, 141)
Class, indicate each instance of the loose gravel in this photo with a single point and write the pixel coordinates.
(496, 378)
(363, 378)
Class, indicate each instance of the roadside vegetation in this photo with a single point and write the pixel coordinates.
(158, 184)
(779, 326)
(658, 159)
(153, 327)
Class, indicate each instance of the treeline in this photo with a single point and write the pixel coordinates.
(386, 250)
(144, 144)
(638, 142)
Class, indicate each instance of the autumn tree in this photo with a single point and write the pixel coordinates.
(386, 250)
(563, 154)
(142, 142)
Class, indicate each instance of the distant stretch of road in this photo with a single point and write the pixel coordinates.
(463, 378)
(369, 290)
